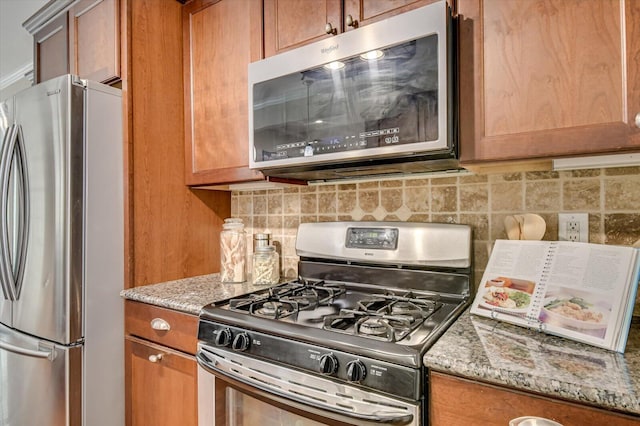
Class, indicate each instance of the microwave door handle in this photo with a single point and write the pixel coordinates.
(23, 205)
(6, 154)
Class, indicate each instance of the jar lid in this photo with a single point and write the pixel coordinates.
(262, 236)
(232, 223)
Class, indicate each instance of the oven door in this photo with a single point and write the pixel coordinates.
(236, 390)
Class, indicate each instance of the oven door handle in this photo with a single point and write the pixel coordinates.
(215, 364)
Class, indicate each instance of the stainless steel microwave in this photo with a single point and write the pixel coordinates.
(375, 100)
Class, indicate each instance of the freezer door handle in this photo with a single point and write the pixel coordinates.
(12, 272)
(49, 352)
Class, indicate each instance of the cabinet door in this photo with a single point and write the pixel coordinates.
(51, 49)
(293, 23)
(542, 79)
(455, 401)
(363, 12)
(161, 385)
(94, 40)
(220, 39)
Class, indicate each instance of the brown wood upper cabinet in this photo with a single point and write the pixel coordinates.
(50, 49)
(94, 40)
(220, 39)
(83, 40)
(292, 23)
(544, 79)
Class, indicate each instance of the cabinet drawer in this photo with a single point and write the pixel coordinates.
(148, 321)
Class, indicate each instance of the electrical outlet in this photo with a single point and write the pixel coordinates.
(573, 227)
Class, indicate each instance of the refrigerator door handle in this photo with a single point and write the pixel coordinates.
(49, 354)
(23, 235)
(11, 275)
(6, 276)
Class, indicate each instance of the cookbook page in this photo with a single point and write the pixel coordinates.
(588, 291)
(510, 284)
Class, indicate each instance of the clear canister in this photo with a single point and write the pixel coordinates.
(266, 265)
(233, 251)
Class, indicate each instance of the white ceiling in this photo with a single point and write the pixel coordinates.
(16, 44)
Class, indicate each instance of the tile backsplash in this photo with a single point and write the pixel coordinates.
(611, 197)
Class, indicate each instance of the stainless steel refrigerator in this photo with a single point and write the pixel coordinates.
(61, 255)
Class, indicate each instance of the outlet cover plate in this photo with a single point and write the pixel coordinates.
(573, 227)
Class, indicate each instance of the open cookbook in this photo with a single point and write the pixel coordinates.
(581, 291)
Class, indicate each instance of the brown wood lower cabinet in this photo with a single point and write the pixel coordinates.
(161, 381)
(454, 401)
(162, 384)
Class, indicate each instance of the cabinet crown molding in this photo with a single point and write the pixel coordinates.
(47, 12)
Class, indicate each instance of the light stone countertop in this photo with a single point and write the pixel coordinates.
(495, 352)
(189, 295)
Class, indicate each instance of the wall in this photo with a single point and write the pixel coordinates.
(14, 88)
(610, 196)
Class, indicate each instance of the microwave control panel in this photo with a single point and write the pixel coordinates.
(362, 140)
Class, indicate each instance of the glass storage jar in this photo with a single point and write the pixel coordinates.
(233, 251)
(266, 265)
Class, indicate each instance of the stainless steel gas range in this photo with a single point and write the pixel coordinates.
(342, 344)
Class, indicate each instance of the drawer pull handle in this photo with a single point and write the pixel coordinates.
(155, 358)
(638, 120)
(160, 324)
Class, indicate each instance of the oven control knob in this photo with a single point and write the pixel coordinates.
(224, 337)
(356, 371)
(328, 364)
(241, 342)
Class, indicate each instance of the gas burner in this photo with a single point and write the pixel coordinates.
(270, 308)
(400, 308)
(274, 309)
(373, 327)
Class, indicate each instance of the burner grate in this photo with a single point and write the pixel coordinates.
(288, 299)
(385, 317)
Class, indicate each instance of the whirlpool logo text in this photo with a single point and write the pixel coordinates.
(330, 48)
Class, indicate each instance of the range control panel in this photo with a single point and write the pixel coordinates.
(372, 238)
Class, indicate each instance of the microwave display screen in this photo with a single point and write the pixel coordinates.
(377, 99)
